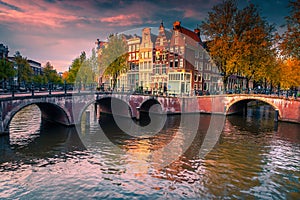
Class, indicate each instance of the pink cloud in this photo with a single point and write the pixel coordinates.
(122, 20)
(37, 13)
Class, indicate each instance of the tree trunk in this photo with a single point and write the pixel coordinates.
(247, 85)
(225, 83)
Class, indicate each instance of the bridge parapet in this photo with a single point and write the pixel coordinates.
(67, 109)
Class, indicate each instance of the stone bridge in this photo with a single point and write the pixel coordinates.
(67, 109)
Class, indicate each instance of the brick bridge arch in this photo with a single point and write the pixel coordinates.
(288, 109)
(49, 111)
(238, 104)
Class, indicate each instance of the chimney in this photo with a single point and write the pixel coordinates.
(197, 31)
(176, 25)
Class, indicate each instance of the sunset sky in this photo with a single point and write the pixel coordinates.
(58, 31)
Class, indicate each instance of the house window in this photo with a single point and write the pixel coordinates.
(181, 62)
(157, 55)
(164, 56)
(176, 63)
(181, 50)
(171, 63)
(164, 69)
(129, 48)
(161, 42)
(200, 66)
(157, 69)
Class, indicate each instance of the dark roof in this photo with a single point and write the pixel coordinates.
(189, 33)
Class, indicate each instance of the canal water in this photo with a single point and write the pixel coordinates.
(253, 158)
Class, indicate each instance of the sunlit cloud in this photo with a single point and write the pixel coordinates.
(122, 20)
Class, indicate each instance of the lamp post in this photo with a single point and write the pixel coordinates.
(49, 87)
(65, 86)
(32, 89)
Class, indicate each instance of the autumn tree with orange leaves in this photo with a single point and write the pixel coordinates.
(239, 41)
(290, 48)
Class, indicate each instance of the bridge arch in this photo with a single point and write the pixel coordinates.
(147, 104)
(114, 105)
(49, 111)
(244, 100)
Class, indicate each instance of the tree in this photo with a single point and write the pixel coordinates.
(24, 70)
(50, 74)
(240, 41)
(291, 37)
(7, 70)
(114, 58)
(74, 68)
(257, 52)
(86, 74)
(219, 28)
(289, 73)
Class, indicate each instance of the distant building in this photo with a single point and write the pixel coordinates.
(159, 79)
(3, 51)
(100, 45)
(36, 67)
(146, 59)
(133, 62)
(184, 76)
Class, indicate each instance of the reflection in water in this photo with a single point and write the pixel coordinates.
(250, 160)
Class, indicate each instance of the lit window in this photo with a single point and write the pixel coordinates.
(176, 41)
(161, 42)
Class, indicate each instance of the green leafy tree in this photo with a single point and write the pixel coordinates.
(86, 74)
(114, 58)
(50, 74)
(24, 70)
(39, 79)
(74, 68)
(7, 70)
